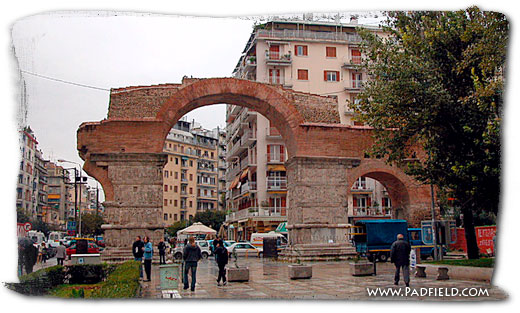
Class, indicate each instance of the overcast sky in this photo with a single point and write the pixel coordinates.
(110, 50)
(117, 51)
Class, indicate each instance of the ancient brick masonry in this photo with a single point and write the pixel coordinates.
(124, 153)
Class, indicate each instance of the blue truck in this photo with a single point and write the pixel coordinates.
(373, 238)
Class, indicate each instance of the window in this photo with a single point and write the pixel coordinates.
(357, 80)
(330, 52)
(191, 190)
(303, 74)
(176, 161)
(166, 174)
(176, 175)
(175, 203)
(274, 76)
(191, 163)
(165, 216)
(191, 204)
(191, 177)
(274, 52)
(165, 202)
(331, 76)
(175, 217)
(165, 187)
(300, 50)
(355, 56)
(175, 189)
(275, 153)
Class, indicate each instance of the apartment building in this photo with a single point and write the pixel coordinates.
(60, 202)
(191, 174)
(307, 56)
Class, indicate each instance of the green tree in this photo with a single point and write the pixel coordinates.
(436, 82)
(91, 224)
(210, 218)
(175, 227)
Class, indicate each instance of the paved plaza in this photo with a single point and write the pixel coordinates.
(330, 280)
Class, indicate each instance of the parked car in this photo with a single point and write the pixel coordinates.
(92, 248)
(244, 249)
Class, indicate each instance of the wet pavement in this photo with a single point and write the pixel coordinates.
(330, 280)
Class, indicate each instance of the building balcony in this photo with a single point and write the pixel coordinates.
(371, 211)
(355, 86)
(274, 158)
(277, 58)
(353, 63)
(308, 35)
(276, 184)
(361, 187)
(252, 212)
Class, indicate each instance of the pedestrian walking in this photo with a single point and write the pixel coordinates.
(191, 256)
(222, 259)
(147, 256)
(61, 253)
(138, 251)
(400, 256)
(162, 252)
(39, 259)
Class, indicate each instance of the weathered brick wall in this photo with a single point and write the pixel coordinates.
(139, 102)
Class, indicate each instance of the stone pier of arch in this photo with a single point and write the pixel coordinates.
(124, 153)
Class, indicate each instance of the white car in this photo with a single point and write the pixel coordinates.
(203, 245)
(244, 249)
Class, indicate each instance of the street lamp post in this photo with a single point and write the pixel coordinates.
(77, 209)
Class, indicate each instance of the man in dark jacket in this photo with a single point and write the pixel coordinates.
(162, 252)
(221, 254)
(138, 251)
(191, 255)
(400, 256)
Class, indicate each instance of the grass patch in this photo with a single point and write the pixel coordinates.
(122, 282)
(483, 262)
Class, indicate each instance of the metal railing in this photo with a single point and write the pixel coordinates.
(256, 212)
(276, 184)
(371, 211)
(309, 35)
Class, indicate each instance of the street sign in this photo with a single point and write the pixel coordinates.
(71, 225)
(27, 226)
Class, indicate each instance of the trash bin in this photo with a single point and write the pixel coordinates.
(170, 275)
(270, 248)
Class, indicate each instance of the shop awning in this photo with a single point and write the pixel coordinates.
(276, 168)
(281, 228)
(234, 183)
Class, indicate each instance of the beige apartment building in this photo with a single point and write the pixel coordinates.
(307, 56)
(191, 173)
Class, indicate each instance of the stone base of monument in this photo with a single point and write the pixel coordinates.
(237, 274)
(300, 271)
(120, 255)
(361, 268)
(318, 252)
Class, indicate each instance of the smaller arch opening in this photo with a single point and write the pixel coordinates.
(377, 195)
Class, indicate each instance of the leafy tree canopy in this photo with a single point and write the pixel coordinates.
(436, 82)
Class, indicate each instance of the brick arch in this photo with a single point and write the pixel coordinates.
(270, 101)
(405, 192)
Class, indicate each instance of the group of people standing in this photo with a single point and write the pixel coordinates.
(143, 251)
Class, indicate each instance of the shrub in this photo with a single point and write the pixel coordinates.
(39, 282)
(122, 282)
